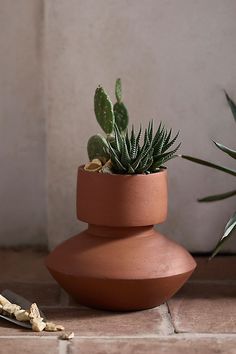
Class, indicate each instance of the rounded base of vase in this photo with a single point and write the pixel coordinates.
(121, 294)
(120, 269)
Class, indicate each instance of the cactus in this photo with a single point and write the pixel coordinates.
(104, 110)
(120, 111)
(118, 90)
(106, 116)
(98, 148)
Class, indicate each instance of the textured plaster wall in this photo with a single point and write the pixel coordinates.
(174, 57)
(22, 124)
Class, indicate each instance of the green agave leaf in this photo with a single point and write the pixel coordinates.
(149, 164)
(209, 164)
(125, 158)
(168, 137)
(213, 198)
(160, 163)
(167, 146)
(118, 137)
(131, 170)
(142, 154)
(150, 130)
(225, 149)
(114, 158)
(230, 226)
(166, 155)
(128, 142)
(132, 144)
(137, 141)
(231, 104)
(158, 144)
(168, 159)
(158, 133)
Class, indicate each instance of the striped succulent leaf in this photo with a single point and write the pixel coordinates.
(130, 156)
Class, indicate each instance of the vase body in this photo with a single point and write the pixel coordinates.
(120, 262)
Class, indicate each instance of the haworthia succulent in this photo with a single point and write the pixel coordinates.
(130, 157)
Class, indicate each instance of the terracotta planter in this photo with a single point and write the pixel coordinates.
(120, 262)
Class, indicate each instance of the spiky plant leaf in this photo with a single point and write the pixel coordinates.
(231, 225)
(167, 139)
(135, 158)
(150, 130)
(225, 149)
(157, 134)
(213, 198)
(231, 104)
(229, 228)
(138, 136)
(209, 164)
(117, 165)
(166, 154)
(128, 142)
(158, 144)
(169, 144)
(118, 137)
(162, 158)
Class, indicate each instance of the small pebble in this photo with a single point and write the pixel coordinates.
(66, 335)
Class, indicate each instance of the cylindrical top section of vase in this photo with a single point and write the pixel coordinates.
(122, 200)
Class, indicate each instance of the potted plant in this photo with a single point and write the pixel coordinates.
(230, 226)
(120, 262)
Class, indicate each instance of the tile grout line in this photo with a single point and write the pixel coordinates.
(167, 325)
(158, 336)
(171, 319)
(63, 346)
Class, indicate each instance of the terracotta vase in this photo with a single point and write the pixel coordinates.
(120, 262)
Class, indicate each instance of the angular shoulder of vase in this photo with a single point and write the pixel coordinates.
(151, 256)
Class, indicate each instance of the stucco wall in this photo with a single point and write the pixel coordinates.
(22, 124)
(174, 57)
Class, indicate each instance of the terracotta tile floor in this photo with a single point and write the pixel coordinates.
(201, 318)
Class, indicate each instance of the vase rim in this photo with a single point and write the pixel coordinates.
(117, 175)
